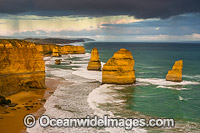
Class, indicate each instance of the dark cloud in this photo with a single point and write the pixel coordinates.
(137, 8)
(190, 20)
(176, 25)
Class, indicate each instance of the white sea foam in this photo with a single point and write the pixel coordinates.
(98, 96)
(180, 98)
(161, 82)
(84, 56)
(82, 70)
(192, 76)
(102, 95)
(61, 73)
(174, 88)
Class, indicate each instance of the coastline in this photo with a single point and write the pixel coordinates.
(68, 101)
(76, 93)
(29, 102)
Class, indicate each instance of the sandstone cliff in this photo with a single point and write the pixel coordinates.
(119, 69)
(59, 50)
(176, 73)
(94, 63)
(21, 67)
(56, 52)
(45, 49)
(69, 49)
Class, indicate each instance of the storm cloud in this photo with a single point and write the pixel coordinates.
(138, 8)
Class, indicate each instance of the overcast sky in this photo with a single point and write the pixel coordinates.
(103, 20)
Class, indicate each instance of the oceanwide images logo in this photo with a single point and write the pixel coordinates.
(95, 121)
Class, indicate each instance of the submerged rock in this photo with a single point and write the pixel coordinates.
(94, 63)
(119, 69)
(58, 62)
(176, 73)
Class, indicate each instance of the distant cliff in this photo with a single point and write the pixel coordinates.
(67, 49)
(56, 40)
(21, 66)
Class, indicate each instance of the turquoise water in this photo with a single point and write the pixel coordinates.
(153, 60)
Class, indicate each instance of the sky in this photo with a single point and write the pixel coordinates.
(102, 20)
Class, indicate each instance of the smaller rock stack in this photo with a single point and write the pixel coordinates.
(94, 63)
(119, 69)
(176, 73)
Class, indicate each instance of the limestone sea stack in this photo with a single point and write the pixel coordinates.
(176, 73)
(119, 69)
(94, 63)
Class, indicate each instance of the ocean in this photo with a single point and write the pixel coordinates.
(150, 97)
(157, 97)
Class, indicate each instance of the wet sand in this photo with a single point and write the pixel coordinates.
(11, 118)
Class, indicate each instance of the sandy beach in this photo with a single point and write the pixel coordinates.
(28, 102)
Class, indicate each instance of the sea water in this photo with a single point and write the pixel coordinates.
(152, 96)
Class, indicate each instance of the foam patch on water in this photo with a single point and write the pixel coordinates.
(83, 72)
(60, 73)
(197, 77)
(83, 56)
(163, 82)
(174, 88)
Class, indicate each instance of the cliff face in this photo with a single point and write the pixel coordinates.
(45, 49)
(119, 69)
(69, 49)
(21, 66)
(59, 50)
(94, 63)
(56, 52)
(176, 73)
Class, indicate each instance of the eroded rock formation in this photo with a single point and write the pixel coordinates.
(21, 67)
(69, 49)
(119, 69)
(176, 73)
(56, 52)
(45, 49)
(94, 63)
